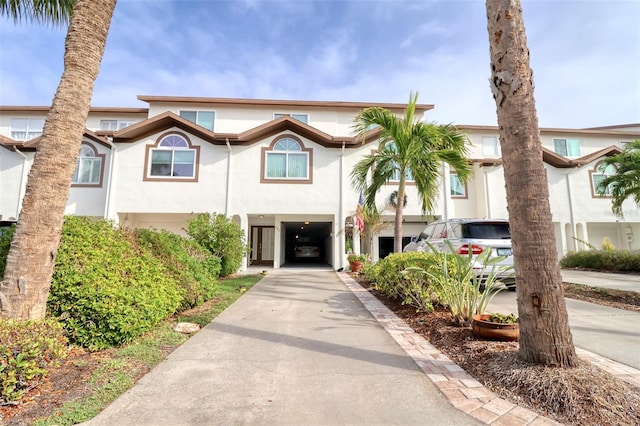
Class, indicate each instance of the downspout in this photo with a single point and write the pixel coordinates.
(487, 203)
(112, 159)
(340, 212)
(21, 188)
(571, 218)
(446, 194)
(227, 199)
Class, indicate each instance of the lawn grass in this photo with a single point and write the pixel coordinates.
(118, 373)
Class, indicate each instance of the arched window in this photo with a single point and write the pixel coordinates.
(173, 158)
(600, 172)
(287, 160)
(88, 167)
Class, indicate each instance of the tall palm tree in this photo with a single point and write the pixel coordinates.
(545, 337)
(407, 149)
(27, 278)
(625, 182)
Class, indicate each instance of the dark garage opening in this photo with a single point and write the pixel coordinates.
(385, 245)
(307, 243)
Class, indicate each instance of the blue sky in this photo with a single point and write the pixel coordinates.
(585, 55)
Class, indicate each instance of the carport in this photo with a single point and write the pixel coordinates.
(307, 233)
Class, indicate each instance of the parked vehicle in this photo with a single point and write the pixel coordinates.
(470, 235)
(306, 249)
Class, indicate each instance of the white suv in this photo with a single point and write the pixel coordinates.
(475, 235)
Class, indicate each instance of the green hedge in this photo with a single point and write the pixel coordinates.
(27, 350)
(193, 268)
(603, 260)
(418, 290)
(107, 288)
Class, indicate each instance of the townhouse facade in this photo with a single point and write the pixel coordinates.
(281, 170)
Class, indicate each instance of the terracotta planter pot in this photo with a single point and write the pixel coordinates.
(355, 266)
(482, 327)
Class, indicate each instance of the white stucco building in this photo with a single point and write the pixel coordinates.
(280, 169)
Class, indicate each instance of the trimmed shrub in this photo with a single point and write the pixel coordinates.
(603, 260)
(194, 269)
(388, 276)
(27, 350)
(106, 288)
(222, 237)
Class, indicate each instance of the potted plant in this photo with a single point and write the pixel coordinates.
(356, 261)
(496, 326)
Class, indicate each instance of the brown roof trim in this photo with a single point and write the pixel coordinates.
(45, 109)
(594, 132)
(280, 103)
(618, 126)
(159, 123)
(556, 160)
(32, 144)
(285, 123)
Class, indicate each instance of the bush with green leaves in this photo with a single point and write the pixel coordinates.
(222, 237)
(603, 260)
(194, 269)
(28, 349)
(107, 289)
(464, 292)
(412, 287)
(5, 241)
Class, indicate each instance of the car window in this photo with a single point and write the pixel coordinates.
(440, 231)
(486, 230)
(454, 231)
(426, 233)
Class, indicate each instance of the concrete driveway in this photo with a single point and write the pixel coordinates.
(611, 333)
(297, 349)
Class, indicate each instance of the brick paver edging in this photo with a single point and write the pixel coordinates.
(462, 390)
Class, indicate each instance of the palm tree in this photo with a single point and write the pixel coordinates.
(27, 278)
(545, 337)
(625, 182)
(407, 149)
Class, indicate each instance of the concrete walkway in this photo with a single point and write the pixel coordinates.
(298, 349)
(626, 282)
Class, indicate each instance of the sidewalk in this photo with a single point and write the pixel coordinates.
(626, 282)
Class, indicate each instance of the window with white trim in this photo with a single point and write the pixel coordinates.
(600, 172)
(205, 119)
(491, 146)
(457, 188)
(395, 176)
(26, 128)
(300, 117)
(115, 124)
(287, 160)
(567, 147)
(172, 158)
(88, 167)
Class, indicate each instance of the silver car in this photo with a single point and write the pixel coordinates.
(475, 235)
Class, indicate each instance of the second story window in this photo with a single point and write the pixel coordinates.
(599, 173)
(115, 124)
(287, 161)
(26, 128)
(201, 118)
(88, 167)
(173, 158)
(491, 146)
(567, 147)
(300, 117)
(458, 189)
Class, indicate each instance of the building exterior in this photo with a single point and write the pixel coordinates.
(281, 170)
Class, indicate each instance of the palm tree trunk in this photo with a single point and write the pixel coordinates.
(397, 227)
(545, 337)
(31, 259)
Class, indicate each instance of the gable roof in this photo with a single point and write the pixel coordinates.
(169, 119)
(557, 160)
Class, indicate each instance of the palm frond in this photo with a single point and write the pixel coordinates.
(45, 11)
